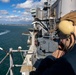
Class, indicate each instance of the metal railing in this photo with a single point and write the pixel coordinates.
(11, 58)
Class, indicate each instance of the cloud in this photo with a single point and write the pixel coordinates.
(13, 18)
(26, 16)
(13, 5)
(26, 4)
(25, 13)
(14, 11)
(3, 12)
(17, 18)
(21, 16)
(0, 17)
(19, 11)
(5, 1)
(30, 4)
(33, 4)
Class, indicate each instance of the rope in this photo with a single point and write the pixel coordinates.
(4, 58)
(8, 71)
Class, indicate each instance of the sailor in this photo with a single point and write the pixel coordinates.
(64, 31)
(65, 65)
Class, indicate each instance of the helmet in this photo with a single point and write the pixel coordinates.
(66, 27)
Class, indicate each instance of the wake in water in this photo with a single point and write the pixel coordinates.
(5, 32)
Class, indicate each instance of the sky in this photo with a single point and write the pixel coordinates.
(17, 11)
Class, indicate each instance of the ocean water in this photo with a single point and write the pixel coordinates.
(11, 37)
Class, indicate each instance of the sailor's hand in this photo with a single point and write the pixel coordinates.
(58, 53)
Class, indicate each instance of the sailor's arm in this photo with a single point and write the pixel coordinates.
(61, 67)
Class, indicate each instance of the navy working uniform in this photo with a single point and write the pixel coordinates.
(65, 65)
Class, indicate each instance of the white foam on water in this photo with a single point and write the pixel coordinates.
(5, 32)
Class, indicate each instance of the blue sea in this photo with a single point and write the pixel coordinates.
(11, 37)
